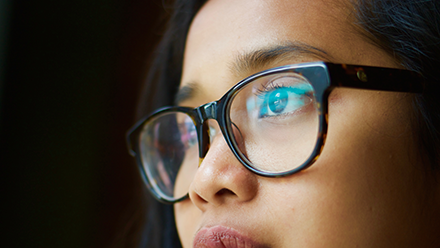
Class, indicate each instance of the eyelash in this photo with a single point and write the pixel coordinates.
(266, 88)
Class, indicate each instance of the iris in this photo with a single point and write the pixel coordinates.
(278, 100)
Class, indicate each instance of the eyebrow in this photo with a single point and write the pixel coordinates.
(247, 62)
(186, 92)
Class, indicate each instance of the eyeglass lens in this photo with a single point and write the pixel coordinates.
(169, 153)
(274, 122)
(278, 122)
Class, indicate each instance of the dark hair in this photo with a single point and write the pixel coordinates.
(408, 30)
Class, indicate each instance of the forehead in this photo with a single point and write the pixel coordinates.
(223, 30)
(256, 22)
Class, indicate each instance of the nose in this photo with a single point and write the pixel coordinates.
(221, 178)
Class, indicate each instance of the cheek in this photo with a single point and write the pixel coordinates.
(368, 182)
(316, 209)
(187, 221)
(364, 188)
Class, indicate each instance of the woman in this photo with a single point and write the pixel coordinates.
(271, 173)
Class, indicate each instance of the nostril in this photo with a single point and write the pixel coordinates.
(225, 192)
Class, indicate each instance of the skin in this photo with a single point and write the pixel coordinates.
(367, 189)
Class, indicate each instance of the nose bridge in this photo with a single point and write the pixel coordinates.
(220, 176)
(205, 112)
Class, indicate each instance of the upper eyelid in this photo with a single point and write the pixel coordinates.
(191, 90)
(272, 84)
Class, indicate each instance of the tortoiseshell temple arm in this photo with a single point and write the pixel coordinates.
(375, 78)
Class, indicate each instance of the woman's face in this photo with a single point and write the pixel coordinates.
(367, 189)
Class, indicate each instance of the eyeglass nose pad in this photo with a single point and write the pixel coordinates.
(204, 141)
(206, 112)
(210, 130)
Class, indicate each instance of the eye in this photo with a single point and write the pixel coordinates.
(284, 96)
(278, 100)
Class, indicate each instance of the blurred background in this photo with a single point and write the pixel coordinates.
(70, 76)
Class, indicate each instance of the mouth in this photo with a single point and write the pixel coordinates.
(223, 237)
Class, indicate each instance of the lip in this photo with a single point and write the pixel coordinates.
(223, 237)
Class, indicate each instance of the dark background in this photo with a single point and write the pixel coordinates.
(70, 78)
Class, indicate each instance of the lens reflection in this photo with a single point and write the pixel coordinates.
(169, 153)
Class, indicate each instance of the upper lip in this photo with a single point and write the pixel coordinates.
(223, 237)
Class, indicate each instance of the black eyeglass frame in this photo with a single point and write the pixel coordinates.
(338, 75)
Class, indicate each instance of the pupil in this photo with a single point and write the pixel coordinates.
(278, 101)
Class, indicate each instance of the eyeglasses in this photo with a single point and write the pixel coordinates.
(275, 123)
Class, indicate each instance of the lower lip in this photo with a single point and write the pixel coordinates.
(222, 237)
